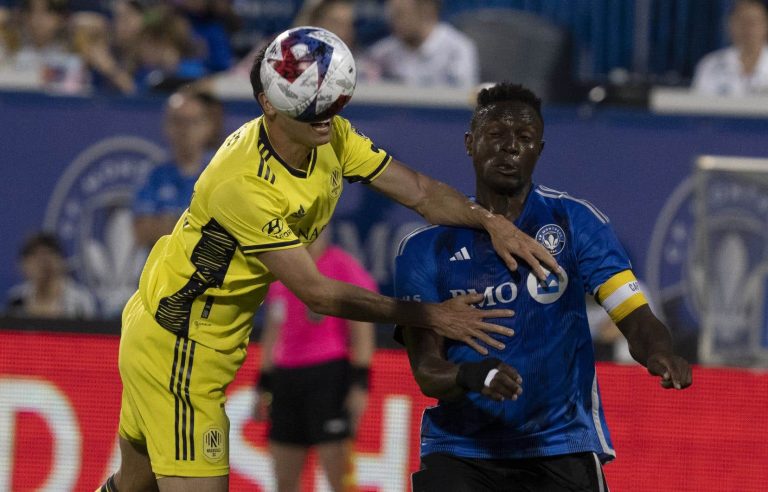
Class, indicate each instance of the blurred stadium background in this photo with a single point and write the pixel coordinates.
(682, 177)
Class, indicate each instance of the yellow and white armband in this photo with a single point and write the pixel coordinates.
(620, 295)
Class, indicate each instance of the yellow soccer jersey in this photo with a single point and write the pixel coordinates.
(204, 280)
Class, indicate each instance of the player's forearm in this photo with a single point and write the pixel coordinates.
(437, 379)
(645, 334)
(343, 300)
(435, 375)
(444, 205)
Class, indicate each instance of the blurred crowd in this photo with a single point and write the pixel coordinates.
(135, 47)
(141, 46)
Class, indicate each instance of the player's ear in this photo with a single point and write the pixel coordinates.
(468, 139)
(266, 106)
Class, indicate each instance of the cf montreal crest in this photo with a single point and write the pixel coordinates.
(552, 237)
(90, 210)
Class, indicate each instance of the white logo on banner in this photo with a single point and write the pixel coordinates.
(90, 210)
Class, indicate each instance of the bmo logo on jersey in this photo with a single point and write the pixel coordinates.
(548, 291)
(492, 295)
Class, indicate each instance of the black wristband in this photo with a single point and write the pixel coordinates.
(266, 382)
(471, 375)
(360, 376)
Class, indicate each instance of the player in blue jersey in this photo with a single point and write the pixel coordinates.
(527, 417)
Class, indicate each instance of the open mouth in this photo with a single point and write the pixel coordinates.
(321, 125)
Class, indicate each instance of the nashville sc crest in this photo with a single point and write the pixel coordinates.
(90, 211)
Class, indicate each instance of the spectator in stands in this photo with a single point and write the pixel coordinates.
(211, 21)
(91, 40)
(314, 376)
(193, 127)
(7, 37)
(338, 16)
(422, 50)
(48, 291)
(169, 55)
(259, 21)
(741, 68)
(45, 51)
(110, 48)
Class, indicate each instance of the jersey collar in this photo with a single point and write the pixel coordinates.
(267, 151)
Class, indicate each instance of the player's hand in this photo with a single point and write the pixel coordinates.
(505, 385)
(262, 406)
(675, 372)
(357, 400)
(509, 241)
(458, 320)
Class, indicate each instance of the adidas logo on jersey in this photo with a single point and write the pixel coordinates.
(460, 255)
(300, 213)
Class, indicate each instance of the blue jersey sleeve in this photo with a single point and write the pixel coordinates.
(415, 270)
(599, 253)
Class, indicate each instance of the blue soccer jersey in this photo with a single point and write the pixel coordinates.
(559, 411)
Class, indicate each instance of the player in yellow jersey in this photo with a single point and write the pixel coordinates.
(270, 189)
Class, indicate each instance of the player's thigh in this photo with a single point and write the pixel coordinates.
(135, 473)
(579, 472)
(444, 473)
(288, 461)
(188, 484)
(173, 399)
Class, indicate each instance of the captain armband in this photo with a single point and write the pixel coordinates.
(620, 295)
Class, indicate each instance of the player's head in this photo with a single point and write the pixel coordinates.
(306, 134)
(505, 138)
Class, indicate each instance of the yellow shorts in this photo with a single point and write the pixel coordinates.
(173, 396)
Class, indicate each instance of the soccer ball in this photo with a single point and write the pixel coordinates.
(308, 73)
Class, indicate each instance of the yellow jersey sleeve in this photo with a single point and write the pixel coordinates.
(253, 211)
(361, 160)
(620, 295)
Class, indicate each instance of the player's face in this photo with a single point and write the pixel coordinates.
(505, 145)
(306, 134)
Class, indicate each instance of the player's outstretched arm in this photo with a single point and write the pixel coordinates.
(441, 204)
(650, 344)
(442, 379)
(456, 318)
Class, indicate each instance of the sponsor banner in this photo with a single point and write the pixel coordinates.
(60, 398)
(73, 165)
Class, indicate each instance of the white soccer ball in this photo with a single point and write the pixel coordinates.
(308, 73)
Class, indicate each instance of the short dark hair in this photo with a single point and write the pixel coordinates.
(46, 240)
(256, 84)
(501, 92)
